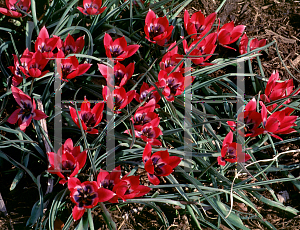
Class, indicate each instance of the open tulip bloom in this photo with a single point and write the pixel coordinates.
(118, 98)
(45, 44)
(198, 24)
(231, 151)
(67, 161)
(27, 110)
(158, 164)
(228, 34)
(70, 67)
(157, 30)
(90, 118)
(118, 48)
(86, 195)
(206, 46)
(250, 119)
(127, 187)
(147, 93)
(16, 71)
(276, 90)
(254, 43)
(278, 122)
(91, 7)
(35, 66)
(118, 76)
(70, 46)
(12, 10)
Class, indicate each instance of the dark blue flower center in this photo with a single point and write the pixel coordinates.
(155, 30)
(116, 50)
(148, 132)
(85, 196)
(141, 119)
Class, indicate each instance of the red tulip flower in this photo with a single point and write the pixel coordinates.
(91, 7)
(250, 119)
(67, 162)
(109, 180)
(27, 110)
(206, 46)
(145, 115)
(149, 133)
(129, 187)
(16, 71)
(278, 123)
(89, 118)
(118, 76)
(198, 24)
(44, 44)
(173, 84)
(86, 195)
(144, 91)
(254, 43)
(157, 30)
(70, 67)
(126, 188)
(118, 48)
(70, 46)
(35, 66)
(229, 34)
(159, 164)
(12, 11)
(232, 152)
(117, 99)
(276, 90)
(171, 59)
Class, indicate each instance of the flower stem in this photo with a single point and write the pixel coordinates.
(90, 218)
(31, 87)
(107, 217)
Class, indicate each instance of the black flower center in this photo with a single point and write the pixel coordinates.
(89, 119)
(26, 110)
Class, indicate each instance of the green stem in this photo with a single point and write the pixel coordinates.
(31, 87)
(90, 218)
(110, 223)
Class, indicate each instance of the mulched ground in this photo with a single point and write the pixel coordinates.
(269, 19)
